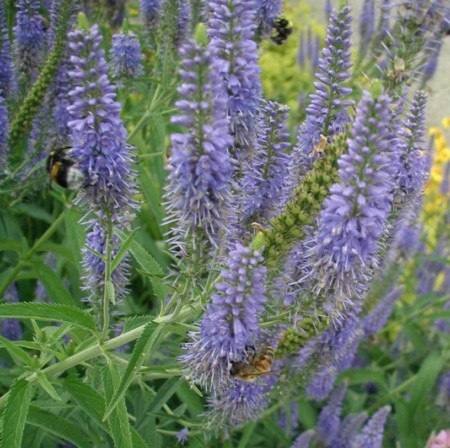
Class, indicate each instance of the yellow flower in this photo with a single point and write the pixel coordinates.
(446, 122)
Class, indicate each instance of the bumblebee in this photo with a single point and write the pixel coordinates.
(64, 171)
(282, 30)
(256, 363)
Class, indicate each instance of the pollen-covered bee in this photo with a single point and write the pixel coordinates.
(256, 363)
(282, 30)
(64, 171)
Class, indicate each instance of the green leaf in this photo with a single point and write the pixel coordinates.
(75, 233)
(362, 376)
(163, 394)
(15, 414)
(143, 348)
(406, 427)
(110, 292)
(48, 312)
(19, 355)
(53, 284)
(58, 426)
(192, 400)
(33, 211)
(93, 405)
(119, 425)
(247, 433)
(123, 249)
(47, 386)
(426, 378)
(148, 265)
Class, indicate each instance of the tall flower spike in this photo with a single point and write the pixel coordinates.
(367, 23)
(29, 39)
(4, 151)
(304, 439)
(183, 20)
(354, 216)
(330, 417)
(267, 12)
(326, 114)
(414, 160)
(150, 12)
(348, 430)
(231, 28)
(372, 434)
(264, 176)
(99, 148)
(126, 56)
(7, 81)
(230, 323)
(97, 131)
(199, 188)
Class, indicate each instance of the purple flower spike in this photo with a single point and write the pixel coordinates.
(264, 175)
(328, 10)
(367, 23)
(11, 327)
(4, 127)
(150, 12)
(29, 39)
(330, 417)
(414, 161)
(348, 430)
(267, 12)
(354, 216)
(304, 440)
(372, 434)
(199, 188)
(182, 436)
(97, 132)
(327, 112)
(231, 321)
(126, 56)
(231, 28)
(183, 20)
(7, 81)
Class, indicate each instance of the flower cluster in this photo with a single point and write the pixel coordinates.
(199, 189)
(126, 56)
(150, 12)
(3, 132)
(231, 28)
(230, 323)
(267, 13)
(6, 64)
(326, 114)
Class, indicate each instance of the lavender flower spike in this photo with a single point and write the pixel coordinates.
(150, 12)
(367, 23)
(330, 417)
(327, 113)
(230, 322)
(6, 64)
(354, 216)
(126, 56)
(97, 132)
(199, 188)
(266, 15)
(372, 434)
(264, 176)
(4, 127)
(232, 29)
(29, 39)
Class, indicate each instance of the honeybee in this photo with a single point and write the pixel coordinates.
(321, 145)
(256, 363)
(64, 171)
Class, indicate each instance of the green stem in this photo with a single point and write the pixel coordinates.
(24, 261)
(108, 273)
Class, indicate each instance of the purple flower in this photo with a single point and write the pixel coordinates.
(294, 422)
(126, 56)
(301, 55)
(414, 163)
(330, 417)
(304, 439)
(267, 12)
(327, 112)
(199, 193)
(4, 127)
(328, 10)
(97, 132)
(367, 23)
(348, 430)
(231, 321)
(384, 25)
(183, 20)
(11, 327)
(444, 390)
(150, 12)
(182, 436)
(29, 39)
(231, 28)
(377, 318)
(7, 81)
(264, 175)
(372, 434)
(354, 216)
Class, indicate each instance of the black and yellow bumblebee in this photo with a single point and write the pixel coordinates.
(282, 29)
(63, 170)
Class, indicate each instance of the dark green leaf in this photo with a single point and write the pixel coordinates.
(19, 355)
(15, 414)
(53, 284)
(123, 249)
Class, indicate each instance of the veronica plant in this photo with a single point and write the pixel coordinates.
(126, 56)
(7, 79)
